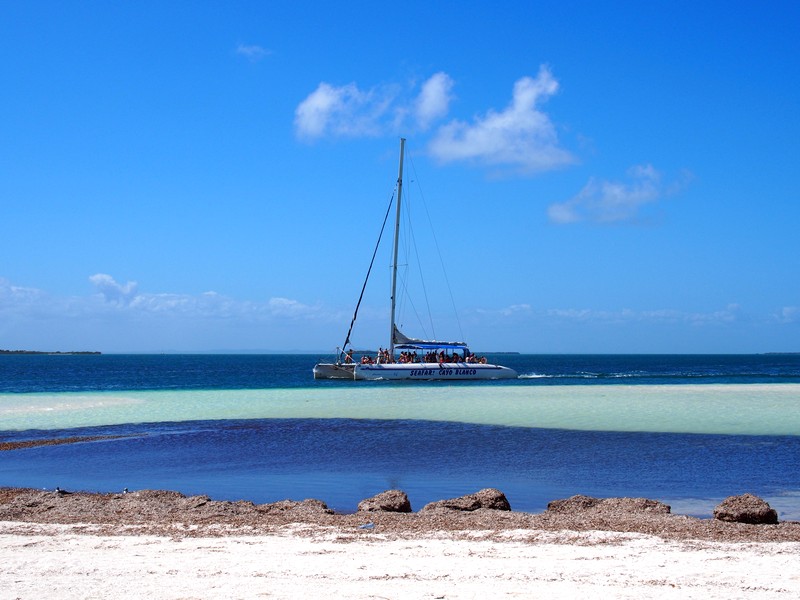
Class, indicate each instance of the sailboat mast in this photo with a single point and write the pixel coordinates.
(396, 246)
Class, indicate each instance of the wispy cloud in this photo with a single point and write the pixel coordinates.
(206, 305)
(520, 136)
(349, 111)
(433, 102)
(515, 309)
(727, 315)
(122, 317)
(344, 111)
(11, 294)
(19, 303)
(605, 202)
(252, 52)
(788, 314)
(113, 291)
(517, 312)
(285, 307)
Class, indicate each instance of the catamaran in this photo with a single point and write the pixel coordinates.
(420, 360)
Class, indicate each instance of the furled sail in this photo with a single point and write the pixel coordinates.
(404, 342)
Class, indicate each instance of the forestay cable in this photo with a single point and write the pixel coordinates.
(366, 279)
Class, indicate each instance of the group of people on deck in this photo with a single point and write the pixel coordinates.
(384, 357)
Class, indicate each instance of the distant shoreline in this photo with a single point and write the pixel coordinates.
(58, 352)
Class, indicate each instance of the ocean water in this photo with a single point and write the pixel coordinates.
(686, 430)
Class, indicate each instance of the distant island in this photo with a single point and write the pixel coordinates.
(48, 353)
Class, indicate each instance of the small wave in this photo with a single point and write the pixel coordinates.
(655, 375)
(560, 376)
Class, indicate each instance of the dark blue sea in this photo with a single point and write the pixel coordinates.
(686, 430)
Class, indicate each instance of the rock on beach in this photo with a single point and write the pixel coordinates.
(579, 504)
(388, 501)
(746, 508)
(486, 498)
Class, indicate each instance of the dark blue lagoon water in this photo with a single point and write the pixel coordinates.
(687, 430)
(62, 373)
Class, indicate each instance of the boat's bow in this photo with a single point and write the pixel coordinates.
(334, 371)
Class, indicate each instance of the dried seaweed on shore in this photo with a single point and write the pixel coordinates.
(172, 513)
(75, 439)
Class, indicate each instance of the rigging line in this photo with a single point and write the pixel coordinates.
(404, 279)
(366, 279)
(409, 244)
(416, 314)
(438, 250)
(412, 245)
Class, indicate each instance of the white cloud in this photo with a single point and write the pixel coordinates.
(520, 136)
(284, 307)
(116, 317)
(121, 317)
(602, 201)
(113, 291)
(252, 52)
(727, 315)
(507, 311)
(11, 295)
(434, 99)
(341, 111)
(349, 111)
(206, 305)
(573, 314)
(525, 313)
(788, 314)
(515, 309)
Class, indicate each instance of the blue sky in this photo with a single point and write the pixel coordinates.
(604, 177)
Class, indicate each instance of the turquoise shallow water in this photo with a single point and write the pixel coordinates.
(741, 409)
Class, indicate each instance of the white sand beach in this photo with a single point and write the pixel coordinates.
(162, 544)
(83, 561)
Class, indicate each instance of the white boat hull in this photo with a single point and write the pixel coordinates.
(334, 371)
(413, 371)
